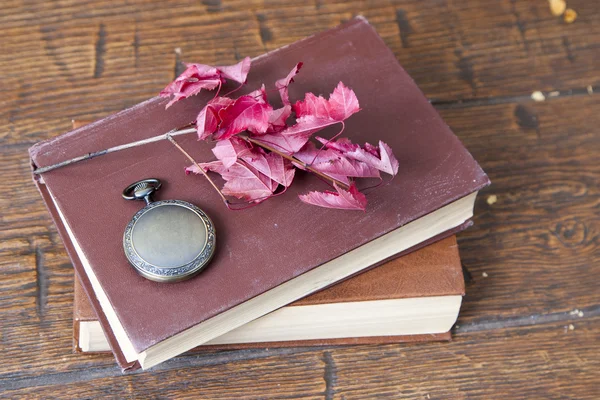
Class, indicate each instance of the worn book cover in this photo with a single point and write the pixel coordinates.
(272, 254)
(433, 271)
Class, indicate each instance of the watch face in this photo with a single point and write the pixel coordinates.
(169, 240)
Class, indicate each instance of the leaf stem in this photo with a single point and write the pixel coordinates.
(185, 153)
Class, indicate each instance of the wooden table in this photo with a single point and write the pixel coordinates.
(530, 323)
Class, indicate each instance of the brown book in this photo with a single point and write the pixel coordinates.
(412, 298)
(273, 254)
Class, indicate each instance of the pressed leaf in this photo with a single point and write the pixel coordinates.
(350, 199)
(200, 76)
(237, 72)
(195, 78)
(380, 157)
(241, 180)
(342, 104)
(386, 161)
(313, 114)
(228, 151)
(208, 119)
(278, 119)
(335, 164)
(245, 113)
(283, 84)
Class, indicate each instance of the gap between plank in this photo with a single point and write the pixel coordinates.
(203, 360)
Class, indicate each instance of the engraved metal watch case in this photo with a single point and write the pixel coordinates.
(167, 240)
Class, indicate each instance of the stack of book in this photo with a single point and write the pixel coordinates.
(284, 273)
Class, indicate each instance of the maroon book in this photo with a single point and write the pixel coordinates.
(280, 251)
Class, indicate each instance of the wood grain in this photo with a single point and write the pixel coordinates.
(480, 365)
(478, 61)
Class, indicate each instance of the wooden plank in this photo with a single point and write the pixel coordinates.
(548, 361)
(115, 55)
(477, 60)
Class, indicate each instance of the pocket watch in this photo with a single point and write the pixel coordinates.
(167, 240)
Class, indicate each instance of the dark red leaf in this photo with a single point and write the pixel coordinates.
(245, 113)
(208, 119)
(350, 199)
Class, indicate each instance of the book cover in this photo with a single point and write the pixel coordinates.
(267, 246)
(433, 271)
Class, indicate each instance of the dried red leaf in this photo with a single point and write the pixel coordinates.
(241, 180)
(386, 161)
(208, 119)
(350, 199)
(200, 76)
(245, 113)
(228, 151)
(271, 165)
(380, 157)
(333, 163)
(314, 113)
(342, 104)
(260, 94)
(283, 83)
(237, 72)
(278, 118)
(195, 78)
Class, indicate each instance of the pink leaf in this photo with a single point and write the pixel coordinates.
(259, 94)
(334, 164)
(312, 106)
(241, 180)
(208, 119)
(283, 83)
(228, 151)
(343, 144)
(272, 165)
(386, 161)
(195, 78)
(278, 118)
(342, 104)
(380, 157)
(245, 113)
(285, 141)
(372, 149)
(350, 199)
(313, 114)
(237, 72)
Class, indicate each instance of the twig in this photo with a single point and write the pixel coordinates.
(175, 132)
(170, 138)
(89, 156)
(294, 160)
